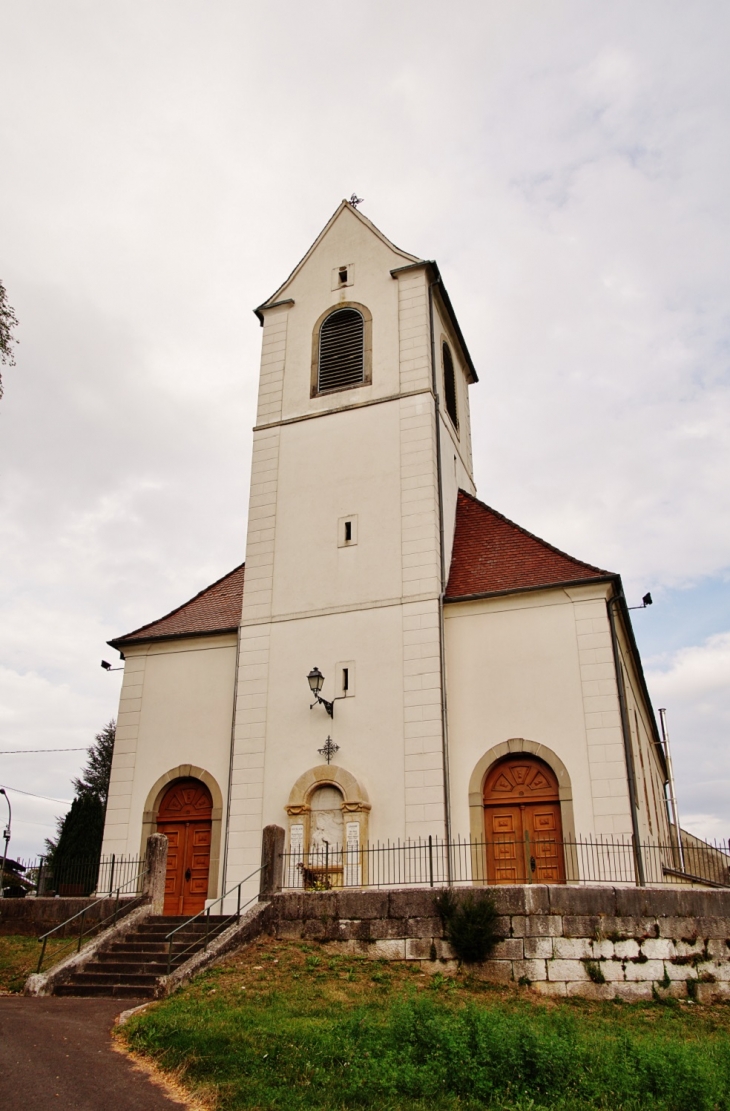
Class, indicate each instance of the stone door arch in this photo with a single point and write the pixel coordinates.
(522, 822)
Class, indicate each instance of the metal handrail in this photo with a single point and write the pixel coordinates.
(169, 938)
(96, 925)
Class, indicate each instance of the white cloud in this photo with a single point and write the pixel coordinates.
(166, 165)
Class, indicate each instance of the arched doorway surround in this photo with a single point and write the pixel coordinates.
(522, 824)
(313, 800)
(185, 819)
(520, 746)
(152, 807)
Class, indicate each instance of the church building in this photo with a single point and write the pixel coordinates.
(396, 660)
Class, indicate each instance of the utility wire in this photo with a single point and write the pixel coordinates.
(15, 751)
(66, 802)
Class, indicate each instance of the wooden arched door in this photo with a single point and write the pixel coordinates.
(185, 817)
(522, 823)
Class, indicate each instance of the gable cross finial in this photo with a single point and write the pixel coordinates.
(355, 200)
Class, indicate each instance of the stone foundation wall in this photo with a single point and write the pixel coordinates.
(31, 917)
(595, 942)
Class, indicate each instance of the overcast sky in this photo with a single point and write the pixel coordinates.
(164, 166)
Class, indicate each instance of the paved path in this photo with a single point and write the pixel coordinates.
(56, 1056)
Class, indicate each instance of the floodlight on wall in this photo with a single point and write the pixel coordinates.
(108, 667)
(647, 600)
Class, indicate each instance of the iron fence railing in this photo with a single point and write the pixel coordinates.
(434, 862)
(78, 876)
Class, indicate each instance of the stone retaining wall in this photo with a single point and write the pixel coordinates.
(596, 942)
(31, 917)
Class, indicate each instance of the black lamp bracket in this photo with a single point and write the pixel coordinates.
(329, 706)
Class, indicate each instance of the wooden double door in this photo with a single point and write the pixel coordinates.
(522, 823)
(185, 817)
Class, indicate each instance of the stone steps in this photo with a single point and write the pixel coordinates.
(131, 967)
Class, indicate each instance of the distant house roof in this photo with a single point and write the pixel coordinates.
(492, 555)
(217, 609)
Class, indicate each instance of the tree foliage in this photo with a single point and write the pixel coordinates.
(8, 321)
(81, 830)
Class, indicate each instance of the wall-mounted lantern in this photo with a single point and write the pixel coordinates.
(316, 680)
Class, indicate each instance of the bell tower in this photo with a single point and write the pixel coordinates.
(361, 443)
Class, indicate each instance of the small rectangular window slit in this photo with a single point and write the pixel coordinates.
(348, 531)
(343, 274)
(345, 679)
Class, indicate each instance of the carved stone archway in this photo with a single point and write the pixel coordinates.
(152, 806)
(514, 746)
(355, 811)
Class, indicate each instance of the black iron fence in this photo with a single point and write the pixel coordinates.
(434, 862)
(78, 876)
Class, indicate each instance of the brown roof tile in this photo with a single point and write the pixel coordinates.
(217, 609)
(493, 555)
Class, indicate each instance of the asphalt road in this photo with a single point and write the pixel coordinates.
(56, 1054)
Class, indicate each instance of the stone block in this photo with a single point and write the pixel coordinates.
(550, 987)
(418, 949)
(444, 968)
(719, 969)
(573, 900)
(718, 949)
(582, 925)
(566, 970)
(388, 950)
(503, 926)
(713, 928)
(288, 905)
(572, 948)
(658, 948)
(590, 990)
(635, 992)
(690, 948)
(518, 925)
(647, 970)
(287, 930)
(712, 993)
(378, 929)
(602, 950)
(677, 927)
(508, 899)
(420, 927)
(415, 902)
(626, 950)
(538, 947)
(537, 899)
(680, 971)
(314, 929)
(613, 970)
(534, 970)
(498, 972)
(511, 949)
(544, 925)
(444, 952)
(362, 904)
(321, 904)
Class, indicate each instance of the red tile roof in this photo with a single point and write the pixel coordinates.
(217, 609)
(493, 555)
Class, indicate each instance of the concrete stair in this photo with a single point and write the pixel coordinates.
(132, 966)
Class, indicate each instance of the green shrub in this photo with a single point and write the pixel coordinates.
(470, 924)
(595, 972)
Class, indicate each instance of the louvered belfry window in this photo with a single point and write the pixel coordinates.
(450, 386)
(341, 351)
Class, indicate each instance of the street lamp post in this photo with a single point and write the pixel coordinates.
(6, 835)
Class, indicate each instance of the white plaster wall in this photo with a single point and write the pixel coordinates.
(344, 464)
(182, 693)
(368, 726)
(516, 667)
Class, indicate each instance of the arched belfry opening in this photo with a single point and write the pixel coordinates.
(522, 821)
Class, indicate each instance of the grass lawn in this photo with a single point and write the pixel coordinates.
(19, 957)
(288, 1026)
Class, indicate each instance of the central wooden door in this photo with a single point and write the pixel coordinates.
(522, 823)
(185, 817)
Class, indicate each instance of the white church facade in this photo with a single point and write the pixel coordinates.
(478, 682)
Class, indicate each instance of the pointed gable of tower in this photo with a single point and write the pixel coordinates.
(343, 213)
(493, 555)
